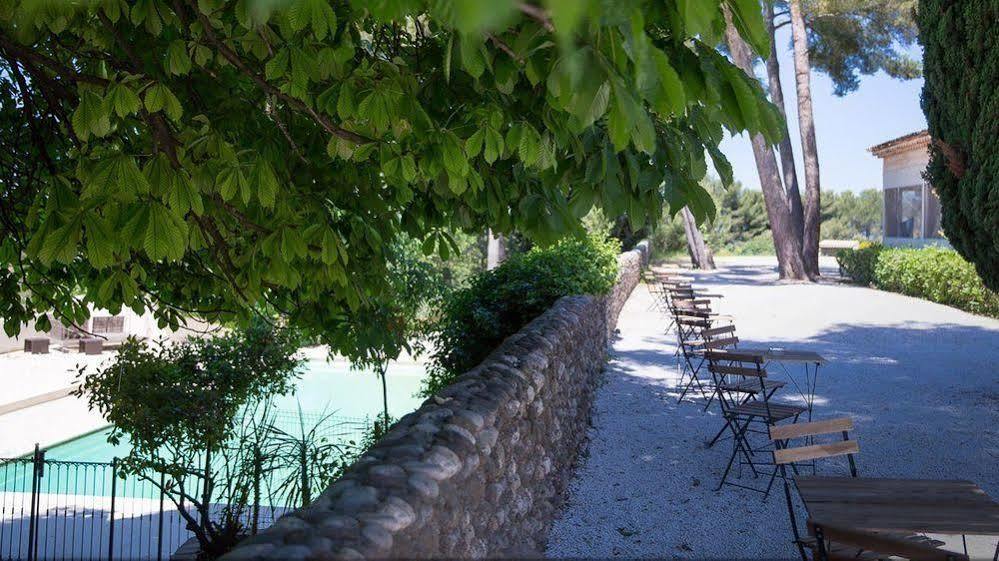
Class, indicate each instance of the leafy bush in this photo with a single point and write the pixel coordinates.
(937, 274)
(762, 244)
(187, 411)
(859, 264)
(497, 303)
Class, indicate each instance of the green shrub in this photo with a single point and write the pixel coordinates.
(497, 303)
(859, 264)
(762, 244)
(934, 273)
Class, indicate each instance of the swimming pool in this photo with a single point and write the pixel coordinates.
(77, 506)
(324, 388)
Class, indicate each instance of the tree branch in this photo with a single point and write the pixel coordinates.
(505, 48)
(538, 14)
(158, 125)
(241, 65)
(55, 66)
(29, 109)
(273, 114)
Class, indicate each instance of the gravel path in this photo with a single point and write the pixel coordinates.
(918, 378)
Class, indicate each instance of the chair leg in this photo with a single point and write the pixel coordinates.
(693, 380)
(711, 399)
(773, 476)
(735, 451)
(728, 422)
(720, 432)
(739, 444)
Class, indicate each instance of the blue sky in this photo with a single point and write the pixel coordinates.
(881, 109)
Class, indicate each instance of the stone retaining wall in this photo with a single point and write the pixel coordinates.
(479, 469)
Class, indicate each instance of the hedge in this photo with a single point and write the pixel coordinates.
(497, 303)
(934, 273)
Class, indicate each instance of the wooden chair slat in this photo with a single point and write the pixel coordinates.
(733, 355)
(695, 313)
(815, 452)
(737, 370)
(813, 428)
(719, 343)
(883, 544)
(719, 330)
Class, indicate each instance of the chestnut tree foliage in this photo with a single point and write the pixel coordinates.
(209, 157)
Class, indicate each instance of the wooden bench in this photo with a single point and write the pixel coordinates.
(831, 247)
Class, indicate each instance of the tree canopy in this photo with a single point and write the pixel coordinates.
(212, 157)
(961, 102)
(848, 38)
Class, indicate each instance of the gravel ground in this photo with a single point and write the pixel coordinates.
(918, 378)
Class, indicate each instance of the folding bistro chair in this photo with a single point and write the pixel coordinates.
(693, 321)
(690, 356)
(742, 418)
(660, 288)
(735, 389)
(833, 543)
(657, 289)
(712, 338)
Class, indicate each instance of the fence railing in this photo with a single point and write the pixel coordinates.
(61, 509)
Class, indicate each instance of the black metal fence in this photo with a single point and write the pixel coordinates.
(52, 509)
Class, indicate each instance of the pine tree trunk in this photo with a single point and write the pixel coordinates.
(806, 125)
(700, 254)
(785, 148)
(790, 264)
(495, 250)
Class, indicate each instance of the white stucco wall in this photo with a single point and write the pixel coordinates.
(139, 326)
(905, 169)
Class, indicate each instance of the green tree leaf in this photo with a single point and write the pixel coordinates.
(165, 235)
(472, 59)
(178, 62)
(91, 117)
(267, 183)
(124, 100)
(277, 66)
(748, 19)
(473, 144)
(699, 15)
(160, 98)
(60, 244)
(184, 196)
(101, 241)
(529, 148)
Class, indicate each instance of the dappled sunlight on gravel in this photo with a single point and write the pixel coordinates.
(918, 378)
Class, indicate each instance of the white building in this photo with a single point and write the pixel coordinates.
(911, 208)
(102, 323)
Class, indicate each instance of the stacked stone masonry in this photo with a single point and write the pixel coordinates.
(479, 469)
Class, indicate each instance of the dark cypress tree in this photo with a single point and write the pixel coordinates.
(961, 101)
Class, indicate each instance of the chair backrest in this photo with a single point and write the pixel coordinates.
(784, 455)
(718, 332)
(880, 544)
(734, 357)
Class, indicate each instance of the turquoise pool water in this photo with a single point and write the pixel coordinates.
(323, 389)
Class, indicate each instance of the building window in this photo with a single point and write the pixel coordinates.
(906, 215)
(910, 212)
(108, 324)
